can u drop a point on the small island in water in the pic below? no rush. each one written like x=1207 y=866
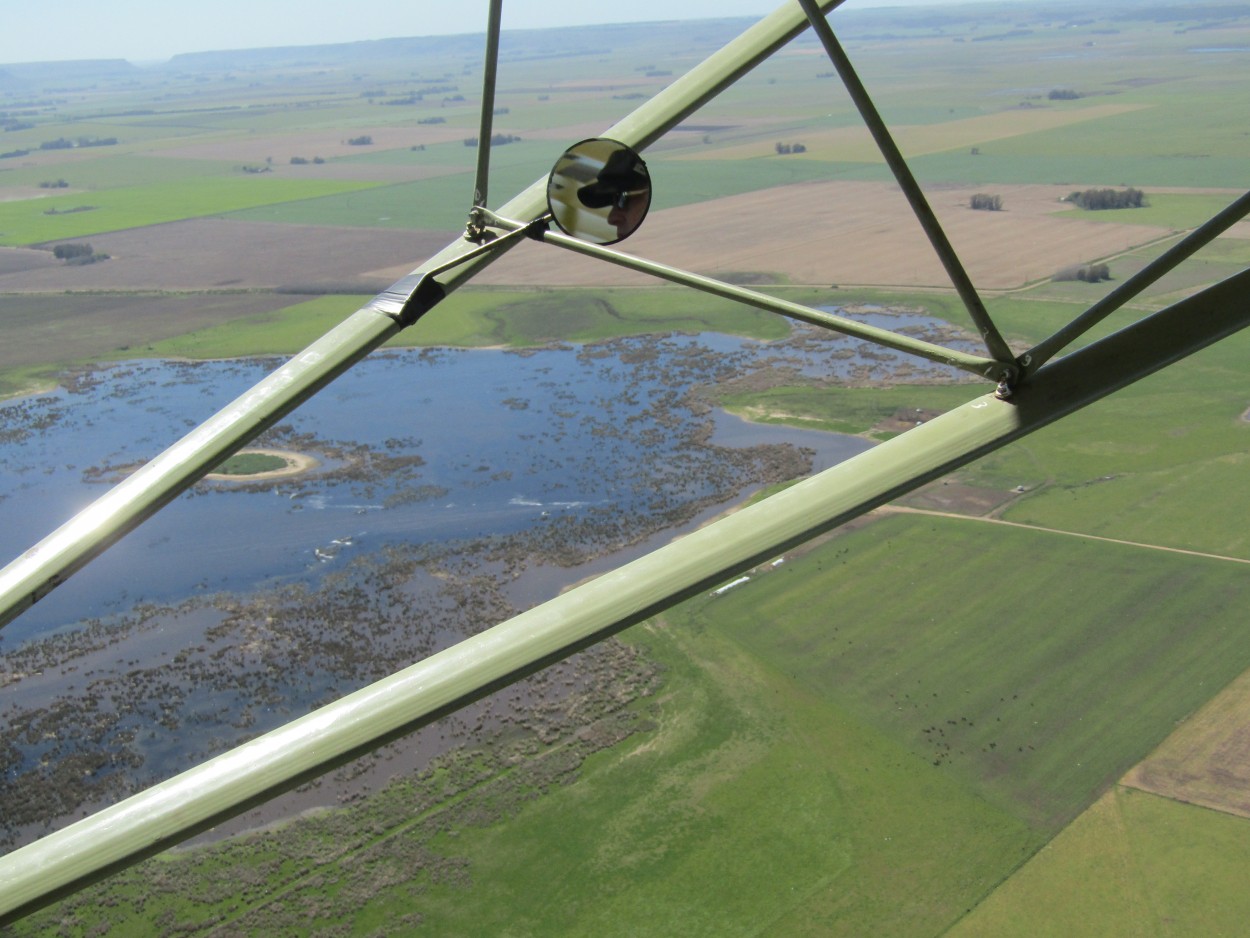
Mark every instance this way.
x=253 y=464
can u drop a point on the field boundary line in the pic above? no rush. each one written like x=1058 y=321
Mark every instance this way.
x=903 y=509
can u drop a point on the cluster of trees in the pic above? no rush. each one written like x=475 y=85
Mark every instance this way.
x=77 y=253
x=1096 y=199
x=789 y=148
x=304 y=161
x=364 y=140
x=496 y=140
x=987 y=203
x=13 y=153
x=58 y=184
x=1063 y=94
x=64 y=143
x=431 y=120
x=16 y=125
x=1090 y=273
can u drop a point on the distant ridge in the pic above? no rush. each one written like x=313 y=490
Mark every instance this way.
x=513 y=44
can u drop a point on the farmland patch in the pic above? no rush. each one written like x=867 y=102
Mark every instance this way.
x=1040 y=711
x=848 y=233
x=218 y=253
x=1133 y=864
x=855 y=144
x=327 y=143
x=67 y=328
x=1207 y=760
x=31 y=222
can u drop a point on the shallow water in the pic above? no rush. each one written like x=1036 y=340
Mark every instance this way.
x=505 y=440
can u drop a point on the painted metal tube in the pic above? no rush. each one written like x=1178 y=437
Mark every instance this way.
x=49 y=563
x=975 y=364
x=487 y=117
x=230 y=783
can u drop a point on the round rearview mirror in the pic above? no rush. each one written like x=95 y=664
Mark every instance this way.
x=599 y=191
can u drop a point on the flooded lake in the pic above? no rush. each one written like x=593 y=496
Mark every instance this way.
x=433 y=445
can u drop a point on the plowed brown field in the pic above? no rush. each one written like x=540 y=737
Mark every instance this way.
x=849 y=233
x=1207 y=760
x=218 y=253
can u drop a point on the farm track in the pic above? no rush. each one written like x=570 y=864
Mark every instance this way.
x=901 y=509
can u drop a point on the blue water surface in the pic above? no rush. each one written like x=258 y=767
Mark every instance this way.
x=505 y=440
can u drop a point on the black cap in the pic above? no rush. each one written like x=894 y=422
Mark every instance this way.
x=623 y=172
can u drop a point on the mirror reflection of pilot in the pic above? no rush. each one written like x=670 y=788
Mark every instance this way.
x=623 y=184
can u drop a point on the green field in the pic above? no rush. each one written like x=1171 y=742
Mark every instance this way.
x=478 y=318
x=29 y=222
x=885 y=742
x=1134 y=865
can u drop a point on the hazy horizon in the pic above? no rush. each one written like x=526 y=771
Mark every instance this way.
x=148 y=32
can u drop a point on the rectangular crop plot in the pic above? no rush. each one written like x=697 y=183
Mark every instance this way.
x=1035 y=667
x=59 y=218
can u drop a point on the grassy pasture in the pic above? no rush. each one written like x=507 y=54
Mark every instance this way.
x=121 y=171
x=45 y=334
x=26 y=222
x=1166 y=480
x=747 y=772
x=846 y=410
x=1132 y=865
x=246 y=464
x=854 y=144
x=776 y=745
x=686 y=181
x=1080 y=166
x=476 y=318
x=1107 y=470
x=1039 y=710
x=439 y=203
x=753 y=805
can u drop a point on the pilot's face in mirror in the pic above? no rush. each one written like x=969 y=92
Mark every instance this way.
x=599 y=191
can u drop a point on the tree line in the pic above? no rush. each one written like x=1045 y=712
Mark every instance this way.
x=496 y=140
x=64 y=143
x=1099 y=199
x=77 y=253
x=983 y=202
x=1089 y=273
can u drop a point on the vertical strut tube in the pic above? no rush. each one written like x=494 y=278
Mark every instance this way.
x=486 y=118
x=994 y=341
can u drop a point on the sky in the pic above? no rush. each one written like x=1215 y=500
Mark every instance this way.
x=144 y=31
